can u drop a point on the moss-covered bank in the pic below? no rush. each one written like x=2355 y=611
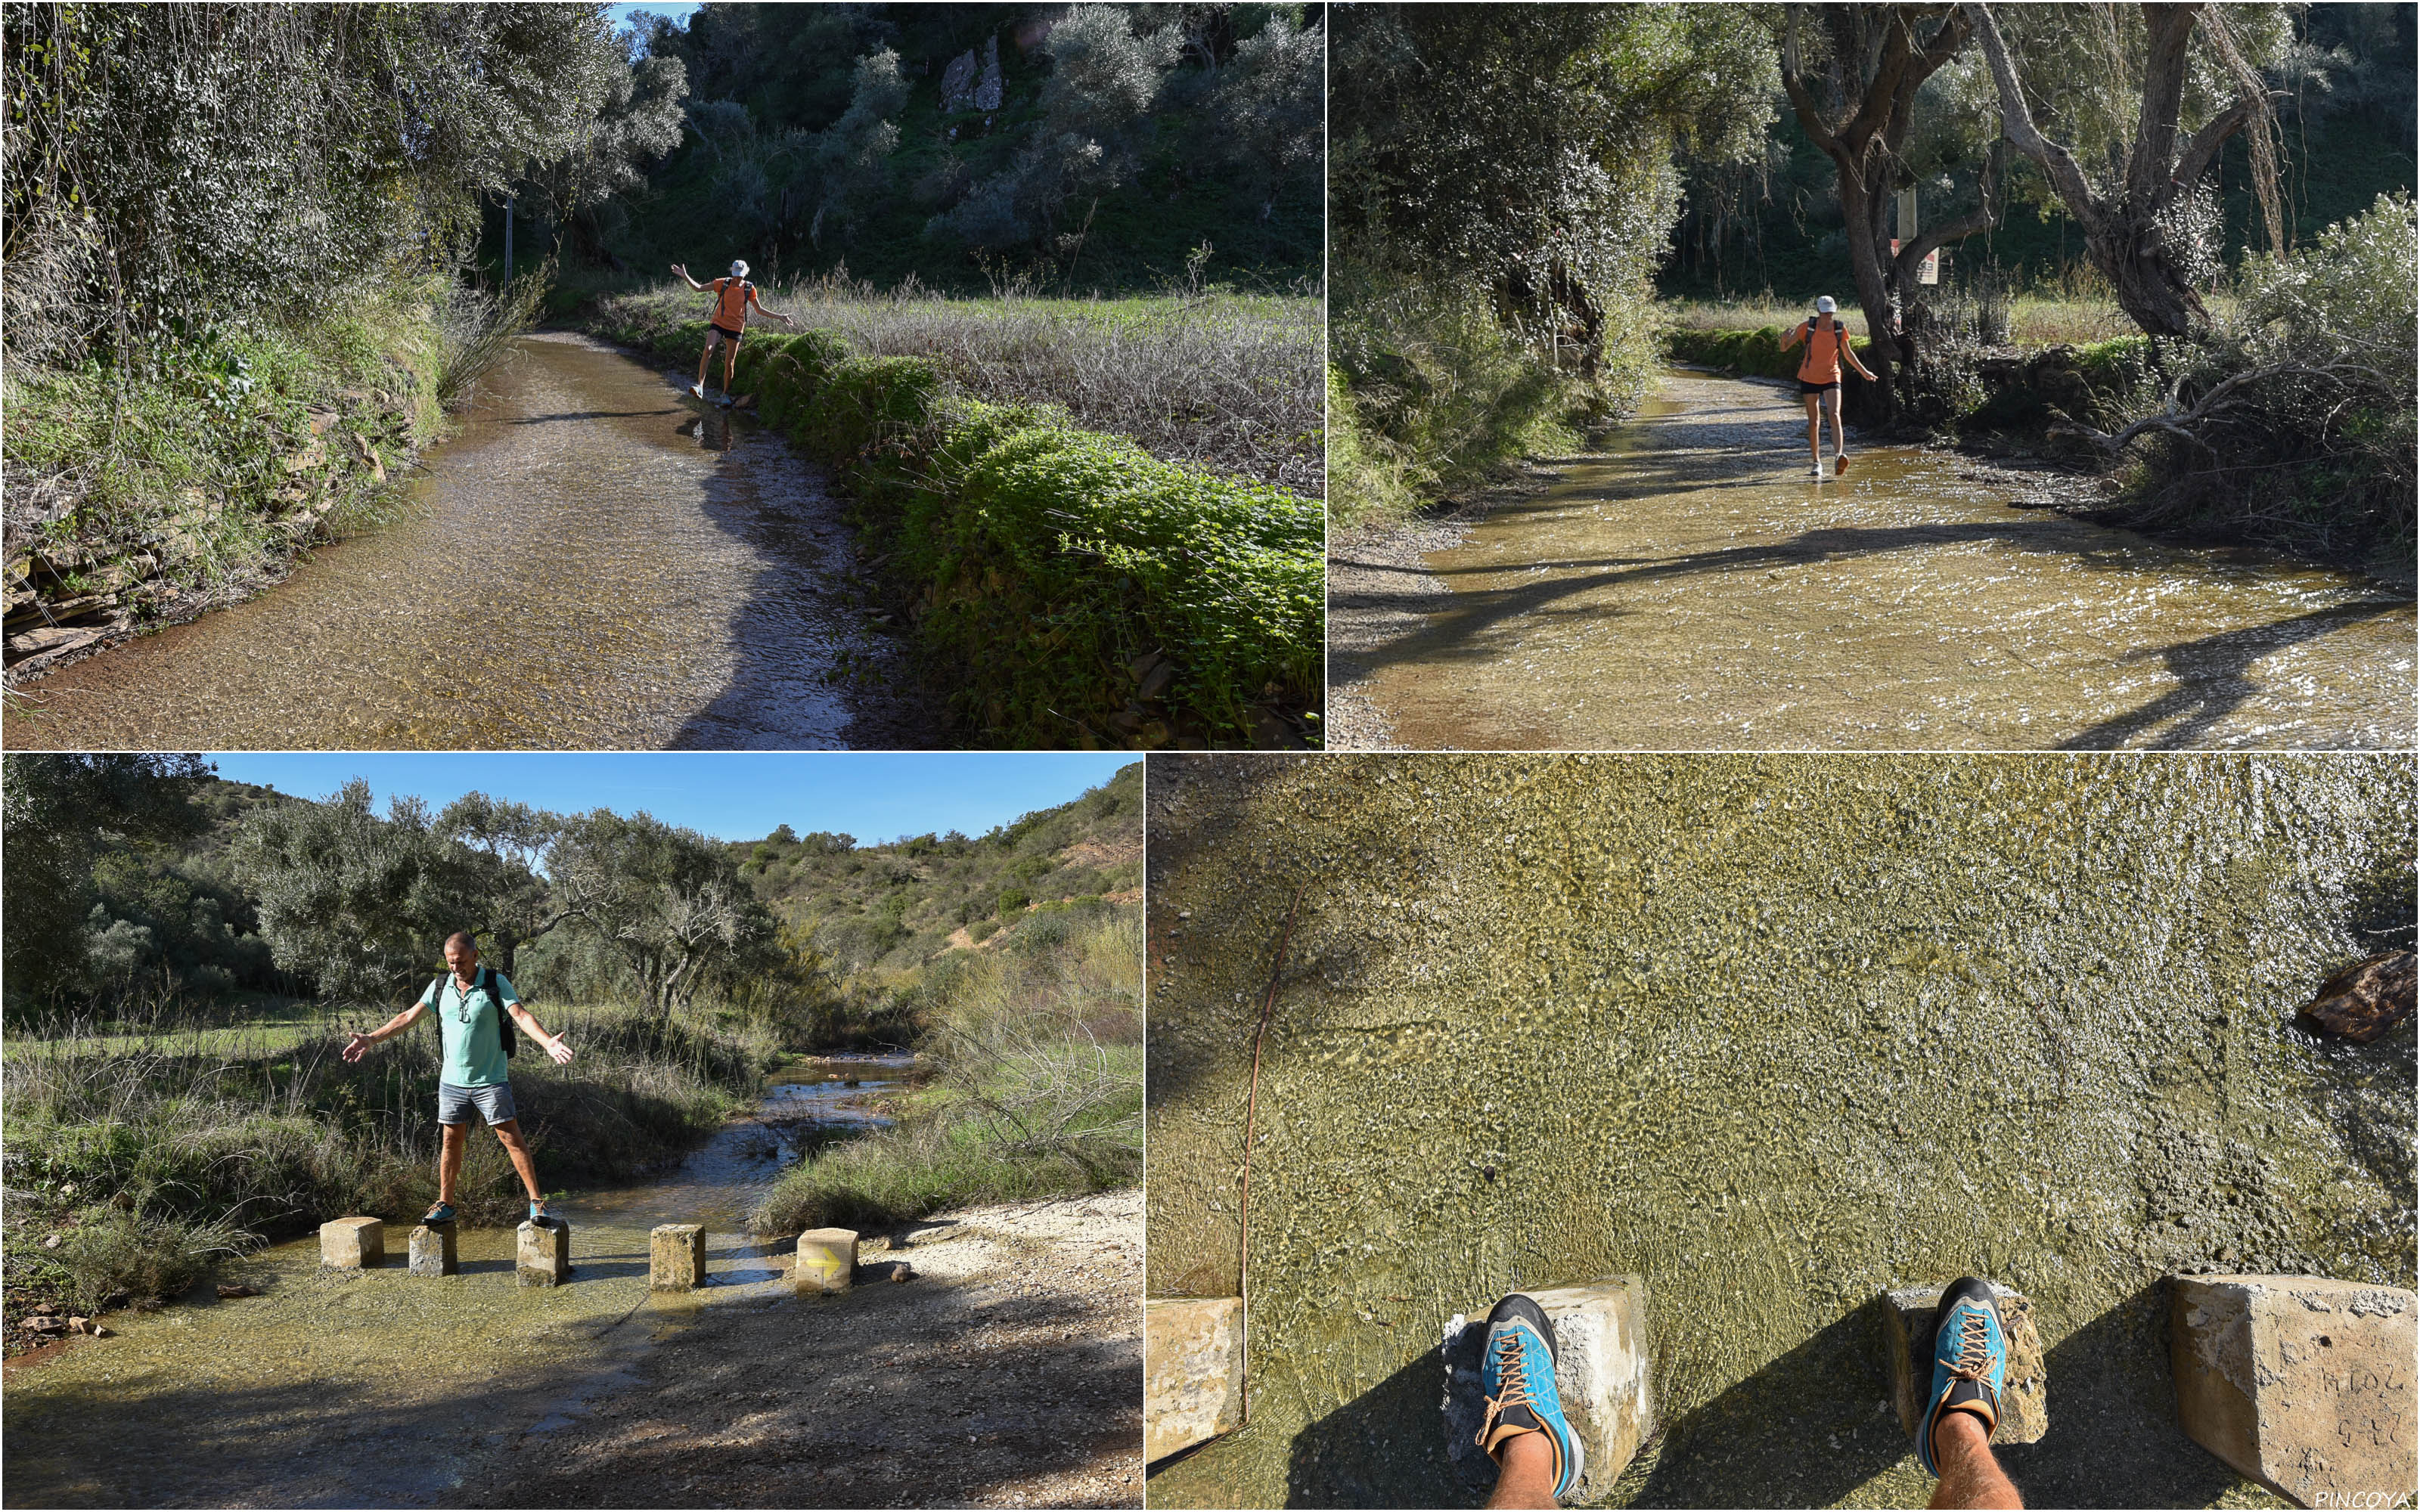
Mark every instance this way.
x=194 y=472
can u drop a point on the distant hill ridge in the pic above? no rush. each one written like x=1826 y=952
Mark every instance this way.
x=894 y=906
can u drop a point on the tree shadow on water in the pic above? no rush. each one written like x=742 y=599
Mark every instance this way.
x=2214 y=678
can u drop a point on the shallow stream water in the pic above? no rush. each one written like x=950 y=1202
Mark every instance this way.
x=1698 y=591
x=1775 y=1033
x=385 y=1389
x=596 y=562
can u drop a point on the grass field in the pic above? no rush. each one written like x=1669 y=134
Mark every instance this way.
x=2034 y=320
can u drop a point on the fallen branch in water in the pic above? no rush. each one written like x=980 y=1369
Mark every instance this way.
x=1244 y=1199
x=2227 y=395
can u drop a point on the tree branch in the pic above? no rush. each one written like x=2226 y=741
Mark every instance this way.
x=2169 y=30
x=1811 y=119
x=2017 y=122
x=2221 y=396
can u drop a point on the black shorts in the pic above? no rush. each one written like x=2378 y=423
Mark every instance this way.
x=731 y=336
x=1805 y=387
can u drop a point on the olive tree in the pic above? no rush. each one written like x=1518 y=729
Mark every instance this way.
x=359 y=903
x=667 y=903
x=2131 y=80
x=1104 y=75
x=61 y=808
x=170 y=165
x=1529 y=149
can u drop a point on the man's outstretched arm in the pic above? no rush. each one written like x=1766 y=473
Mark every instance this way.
x=556 y=1049
x=361 y=1042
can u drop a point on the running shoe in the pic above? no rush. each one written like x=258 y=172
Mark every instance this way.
x=697 y=391
x=1970 y=1361
x=1816 y=472
x=1839 y=462
x=442 y=1214
x=1516 y=1373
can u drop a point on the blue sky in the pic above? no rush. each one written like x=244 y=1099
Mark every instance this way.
x=734 y=795
x=678 y=10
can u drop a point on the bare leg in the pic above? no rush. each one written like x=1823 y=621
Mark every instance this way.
x=1815 y=429
x=705 y=361
x=1839 y=430
x=730 y=361
x=455 y=1139
x=518 y=1148
x=1970 y=1476
x=1526 y=1474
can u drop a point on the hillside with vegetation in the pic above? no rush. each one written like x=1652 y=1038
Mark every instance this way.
x=1092 y=148
x=890 y=923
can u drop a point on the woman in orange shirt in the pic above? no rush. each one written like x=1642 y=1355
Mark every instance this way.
x=1819 y=379
x=729 y=322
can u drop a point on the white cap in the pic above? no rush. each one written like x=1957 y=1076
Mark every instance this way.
x=1824 y=305
x=739 y=269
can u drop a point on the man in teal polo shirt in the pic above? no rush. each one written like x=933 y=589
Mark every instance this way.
x=470 y=1007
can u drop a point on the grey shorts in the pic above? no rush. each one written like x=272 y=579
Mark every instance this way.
x=495 y=1103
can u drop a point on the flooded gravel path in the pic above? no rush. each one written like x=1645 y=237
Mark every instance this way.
x=383 y=1389
x=1698 y=591
x=596 y=562
x=1775 y=1033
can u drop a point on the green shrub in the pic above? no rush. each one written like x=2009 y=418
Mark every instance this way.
x=1058 y=557
x=1441 y=396
x=1048 y=561
x=861 y=401
x=136 y=1256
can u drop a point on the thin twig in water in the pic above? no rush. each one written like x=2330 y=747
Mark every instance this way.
x=1244 y=1199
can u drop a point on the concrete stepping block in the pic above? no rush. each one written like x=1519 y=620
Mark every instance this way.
x=1601 y=1372
x=1907 y=1332
x=432 y=1251
x=542 y=1256
x=1192 y=1371
x=352 y=1243
x=826 y=1259
x=2302 y=1383
x=677 y=1258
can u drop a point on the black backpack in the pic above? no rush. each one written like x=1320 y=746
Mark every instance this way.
x=483 y=981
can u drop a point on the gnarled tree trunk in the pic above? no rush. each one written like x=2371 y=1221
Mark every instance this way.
x=2125 y=231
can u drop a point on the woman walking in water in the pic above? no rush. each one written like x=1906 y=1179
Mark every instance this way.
x=1819 y=379
x=728 y=323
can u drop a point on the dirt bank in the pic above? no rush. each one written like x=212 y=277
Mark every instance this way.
x=1008 y=1373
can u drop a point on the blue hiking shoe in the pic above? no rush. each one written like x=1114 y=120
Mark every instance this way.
x=442 y=1214
x=1516 y=1372
x=1970 y=1362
